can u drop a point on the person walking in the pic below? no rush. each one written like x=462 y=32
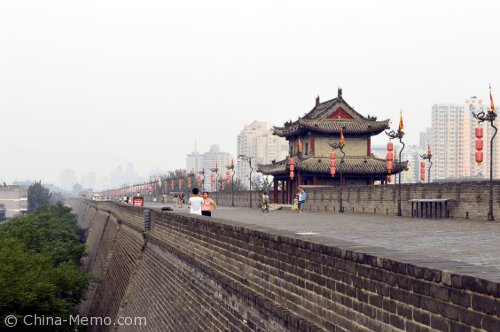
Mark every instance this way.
x=302 y=200
x=195 y=202
x=296 y=204
x=206 y=209
x=154 y=200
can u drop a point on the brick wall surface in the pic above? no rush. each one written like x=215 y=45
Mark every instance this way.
x=194 y=274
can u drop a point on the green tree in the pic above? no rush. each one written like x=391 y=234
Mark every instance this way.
x=38 y=195
x=39 y=267
x=263 y=185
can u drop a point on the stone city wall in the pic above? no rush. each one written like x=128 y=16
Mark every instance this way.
x=192 y=273
x=470 y=200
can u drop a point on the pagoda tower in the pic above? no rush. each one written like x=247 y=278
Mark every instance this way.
x=315 y=130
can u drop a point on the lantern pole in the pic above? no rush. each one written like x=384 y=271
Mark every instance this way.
x=216 y=171
x=249 y=159
x=202 y=172
x=428 y=156
x=231 y=167
x=490 y=117
x=399 y=135
x=340 y=146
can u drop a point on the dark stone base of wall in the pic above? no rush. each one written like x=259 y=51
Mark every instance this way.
x=193 y=274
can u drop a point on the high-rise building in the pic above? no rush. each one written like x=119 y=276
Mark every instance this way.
x=453 y=141
x=117 y=179
x=130 y=174
x=194 y=161
x=261 y=145
x=68 y=179
x=155 y=173
x=412 y=154
x=214 y=157
x=425 y=137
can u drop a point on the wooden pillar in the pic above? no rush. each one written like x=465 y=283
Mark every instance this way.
x=314 y=180
x=282 y=192
x=275 y=191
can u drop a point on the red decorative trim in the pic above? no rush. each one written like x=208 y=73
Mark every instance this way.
x=312 y=145
x=369 y=146
x=340 y=114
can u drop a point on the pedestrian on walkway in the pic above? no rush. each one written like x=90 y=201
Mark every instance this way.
x=296 y=204
x=206 y=209
x=154 y=199
x=302 y=200
x=195 y=202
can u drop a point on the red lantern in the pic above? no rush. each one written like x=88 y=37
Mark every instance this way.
x=199 y=181
x=332 y=155
x=479 y=157
x=292 y=175
x=291 y=161
x=332 y=171
x=390 y=156
x=180 y=184
x=189 y=182
x=422 y=164
x=389 y=146
x=422 y=170
x=479 y=132
x=332 y=162
x=479 y=144
x=172 y=184
x=422 y=177
x=389 y=166
x=292 y=168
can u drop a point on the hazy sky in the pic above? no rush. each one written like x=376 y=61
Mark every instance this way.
x=91 y=85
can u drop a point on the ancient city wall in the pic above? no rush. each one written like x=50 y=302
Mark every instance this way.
x=469 y=199
x=193 y=273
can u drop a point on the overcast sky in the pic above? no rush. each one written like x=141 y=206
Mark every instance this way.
x=91 y=85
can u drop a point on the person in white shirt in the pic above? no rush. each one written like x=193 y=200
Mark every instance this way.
x=195 y=202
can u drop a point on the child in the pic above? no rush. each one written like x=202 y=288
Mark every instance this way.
x=296 y=204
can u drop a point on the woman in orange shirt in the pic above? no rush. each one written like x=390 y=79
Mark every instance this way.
x=206 y=208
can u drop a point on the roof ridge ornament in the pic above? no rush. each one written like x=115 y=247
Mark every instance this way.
x=317 y=101
x=339 y=93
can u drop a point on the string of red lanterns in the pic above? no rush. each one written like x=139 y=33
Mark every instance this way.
x=479 y=145
x=332 y=163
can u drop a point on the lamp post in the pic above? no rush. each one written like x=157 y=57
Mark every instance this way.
x=428 y=156
x=490 y=117
x=340 y=146
x=216 y=171
x=249 y=159
x=231 y=167
x=202 y=172
x=399 y=135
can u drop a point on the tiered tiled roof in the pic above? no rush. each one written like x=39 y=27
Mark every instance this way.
x=352 y=166
x=332 y=116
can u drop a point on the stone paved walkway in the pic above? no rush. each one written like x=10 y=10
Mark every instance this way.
x=462 y=246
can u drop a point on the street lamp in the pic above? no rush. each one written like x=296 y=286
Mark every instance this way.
x=216 y=171
x=249 y=159
x=340 y=145
x=428 y=156
x=231 y=167
x=490 y=117
x=202 y=172
x=399 y=135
